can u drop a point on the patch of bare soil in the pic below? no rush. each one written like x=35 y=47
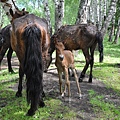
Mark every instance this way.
x=82 y=106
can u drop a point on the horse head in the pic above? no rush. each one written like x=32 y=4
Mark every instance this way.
x=18 y=13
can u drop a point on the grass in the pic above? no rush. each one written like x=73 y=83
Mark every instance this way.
x=12 y=108
x=15 y=108
x=104 y=110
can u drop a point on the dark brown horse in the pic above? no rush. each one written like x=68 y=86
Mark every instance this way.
x=30 y=40
x=5 y=45
x=83 y=36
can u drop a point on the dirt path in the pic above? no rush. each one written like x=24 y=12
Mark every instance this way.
x=82 y=106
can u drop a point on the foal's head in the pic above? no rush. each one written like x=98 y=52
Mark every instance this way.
x=59 y=49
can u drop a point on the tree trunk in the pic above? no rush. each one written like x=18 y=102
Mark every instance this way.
x=1 y=17
x=83 y=12
x=112 y=30
x=111 y=13
x=59 y=13
x=117 y=33
x=47 y=14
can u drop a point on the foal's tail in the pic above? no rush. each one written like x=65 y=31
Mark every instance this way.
x=33 y=63
x=99 y=38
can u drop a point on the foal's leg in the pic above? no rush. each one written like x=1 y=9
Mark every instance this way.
x=60 y=81
x=76 y=78
x=9 y=55
x=67 y=84
x=21 y=74
x=87 y=58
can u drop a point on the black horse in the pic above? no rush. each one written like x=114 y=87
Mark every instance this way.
x=82 y=36
x=5 y=45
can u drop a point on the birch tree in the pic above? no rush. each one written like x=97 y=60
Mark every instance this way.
x=59 y=13
x=47 y=16
x=111 y=13
x=112 y=29
x=117 y=33
x=83 y=12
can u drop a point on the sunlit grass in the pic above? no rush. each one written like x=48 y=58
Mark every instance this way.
x=102 y=109
x=12 y=108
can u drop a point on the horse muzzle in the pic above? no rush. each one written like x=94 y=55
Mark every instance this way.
x=61 y=57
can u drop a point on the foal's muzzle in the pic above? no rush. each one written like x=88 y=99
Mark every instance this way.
x=61 y=57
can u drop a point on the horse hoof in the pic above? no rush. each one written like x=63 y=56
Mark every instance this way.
x=30 y=112
x=90 y=81
x=18 y=94
x=41 y=104
x=11 y=71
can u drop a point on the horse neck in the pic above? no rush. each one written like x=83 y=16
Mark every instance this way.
x=6 y=5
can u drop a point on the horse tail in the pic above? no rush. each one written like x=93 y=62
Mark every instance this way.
x=99 y=38
x=33 y=63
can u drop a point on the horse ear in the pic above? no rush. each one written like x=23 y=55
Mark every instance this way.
x=23 y=9
x=11 y=12
x=24 y=12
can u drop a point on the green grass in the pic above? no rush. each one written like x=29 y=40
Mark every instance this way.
x=13 y=108
x=103 y=110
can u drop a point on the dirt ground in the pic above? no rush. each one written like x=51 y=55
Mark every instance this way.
x=81 y=106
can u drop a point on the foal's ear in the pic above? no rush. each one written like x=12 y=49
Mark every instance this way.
x=11 y=12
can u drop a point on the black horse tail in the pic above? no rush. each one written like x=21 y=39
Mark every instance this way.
x=99 y=38
x=33 y=68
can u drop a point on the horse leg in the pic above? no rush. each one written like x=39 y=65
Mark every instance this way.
x=76 y=78
x=9 y=55
x=2 y=54
x=91 y=64
x=21 y=74
x=87 y=58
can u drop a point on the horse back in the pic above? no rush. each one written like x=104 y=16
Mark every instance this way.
x=76 y=37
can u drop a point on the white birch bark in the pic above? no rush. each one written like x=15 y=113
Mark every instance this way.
x=117 y=33
x=83 y=12
x=92 y=11
x=47 y=15
x=59 y=13
x=112 y=29
x=111 y=13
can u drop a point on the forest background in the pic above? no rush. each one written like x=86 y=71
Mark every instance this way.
x=103 y=13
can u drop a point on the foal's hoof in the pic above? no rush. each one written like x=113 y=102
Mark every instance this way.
x=18 y=94
x=30 y=112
